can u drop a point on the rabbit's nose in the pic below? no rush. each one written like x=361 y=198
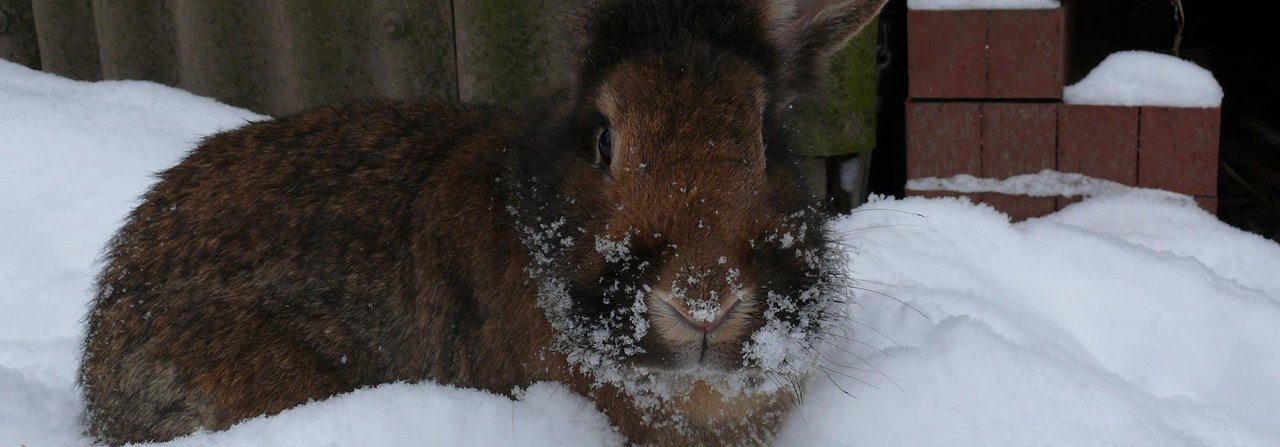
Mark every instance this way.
x=707 y=315
x=703 y=316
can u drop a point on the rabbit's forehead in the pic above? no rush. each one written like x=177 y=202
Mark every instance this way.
x=670 y=102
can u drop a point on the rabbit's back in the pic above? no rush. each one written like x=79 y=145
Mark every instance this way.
x=295 y=259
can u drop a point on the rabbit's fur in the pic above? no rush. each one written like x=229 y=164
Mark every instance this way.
x=492 y=248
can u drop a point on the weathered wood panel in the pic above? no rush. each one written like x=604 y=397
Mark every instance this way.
x=224 y=51
x=67 y=40
x=417 y=58
x=18 y=33
x=135 y=40
x=510 y=50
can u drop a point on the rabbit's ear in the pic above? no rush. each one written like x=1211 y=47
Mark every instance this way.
x=810 y=39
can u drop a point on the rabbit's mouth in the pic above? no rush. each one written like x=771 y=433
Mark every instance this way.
x=701 y=334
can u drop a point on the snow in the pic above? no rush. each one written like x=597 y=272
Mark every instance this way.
x=982 y=4
x=850 y=175
x=1121 y=320
x=1140 y=78
x=426 y=414
x=1131 y=318
x=1046 y=183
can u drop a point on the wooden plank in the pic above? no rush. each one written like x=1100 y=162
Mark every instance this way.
x=18 y=41
x=509 y=50
x=67 y=40
x=224 y=51
x=416 y=60
x=135 y=40
x=321 y=45
x=336 y=50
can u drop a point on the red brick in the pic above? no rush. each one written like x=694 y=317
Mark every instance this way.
x=1018 y=138
x=1178 y=150
x=1062 y=202
x=946 y=54
x=937 y=194
x=1020 y=207
x=1209 y=204
x=1025 y=53
x=1099 y=141
x=943 y=139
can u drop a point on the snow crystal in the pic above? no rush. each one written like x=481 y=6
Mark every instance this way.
x=787 y=240
x=1140 y=78
x=982 y=4
x=703 y=311
x=614 y=251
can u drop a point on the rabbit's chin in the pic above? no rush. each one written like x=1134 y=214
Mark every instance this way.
x=668 y=383
x=694 y=358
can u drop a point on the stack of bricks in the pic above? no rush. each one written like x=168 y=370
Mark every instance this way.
x=986 y=100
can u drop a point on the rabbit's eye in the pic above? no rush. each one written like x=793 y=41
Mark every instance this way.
x=604 y=144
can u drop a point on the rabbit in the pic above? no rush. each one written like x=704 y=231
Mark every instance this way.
x=643 y=238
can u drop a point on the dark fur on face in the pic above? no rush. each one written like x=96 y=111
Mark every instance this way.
x=700 y=179
x=491 y=248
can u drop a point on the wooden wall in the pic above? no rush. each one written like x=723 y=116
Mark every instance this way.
x=282 y=56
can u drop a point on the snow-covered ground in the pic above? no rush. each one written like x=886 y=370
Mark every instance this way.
x=1129 y=319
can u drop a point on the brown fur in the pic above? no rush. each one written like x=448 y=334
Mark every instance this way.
x=223 y=279
x=367 y=243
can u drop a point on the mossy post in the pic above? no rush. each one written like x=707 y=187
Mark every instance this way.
x=18 y=33
x=843 y=121
x=65 y=34
x=135 y=39
x=509 y=50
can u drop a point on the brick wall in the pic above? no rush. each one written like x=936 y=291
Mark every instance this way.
x=985 y=93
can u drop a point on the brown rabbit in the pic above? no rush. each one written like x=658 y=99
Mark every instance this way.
x=645 y=240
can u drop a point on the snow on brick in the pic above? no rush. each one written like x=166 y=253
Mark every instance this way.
x=981 y=4
x=1140 y=78
x=1046 y=183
